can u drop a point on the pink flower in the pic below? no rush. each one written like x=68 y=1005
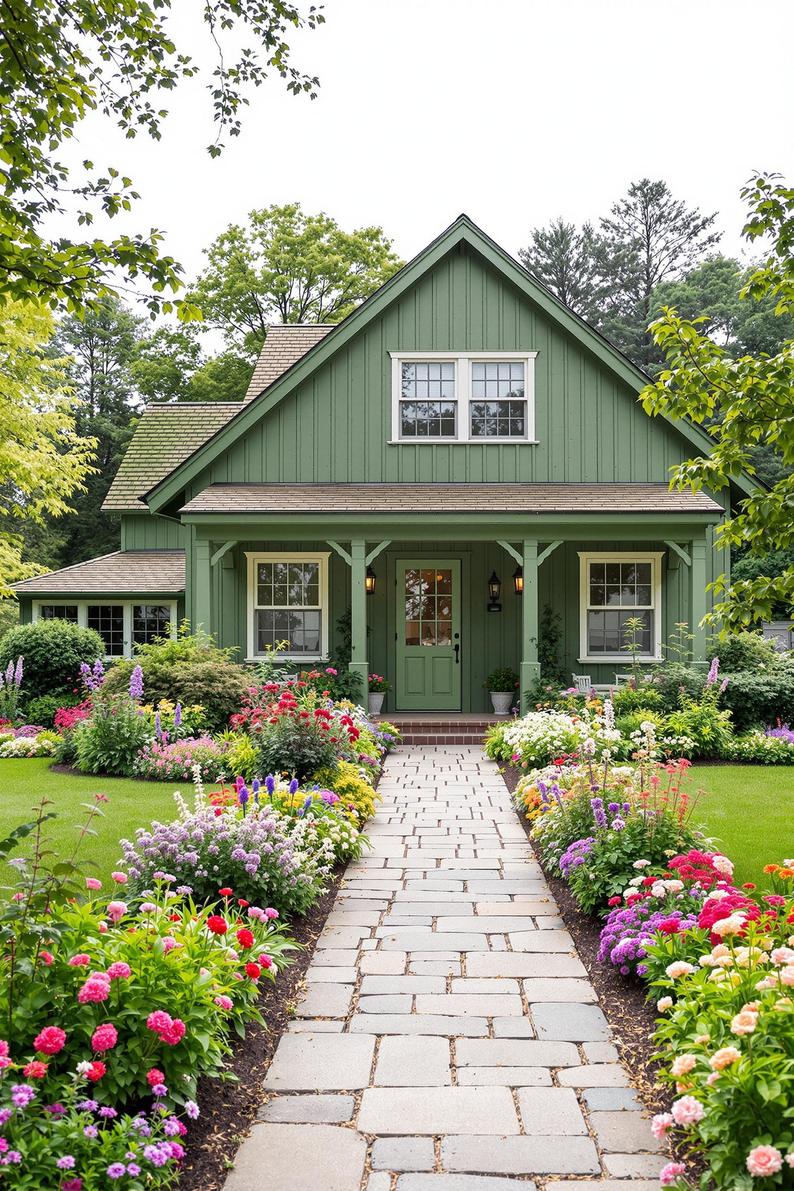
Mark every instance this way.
x=102 y=927
x=79 y=961
x=46 y=957
x=104 y=1037
x=670 y=1173
x=270 y=913
x=660 y=1124
x=119 y=971
x=95 y=989
x=265 y=960
x=119 y=878
x=724 y=1057
x=175 y=1033
x=92 y=883
x=683 y=1065
x=256 y=912
x=687 y=1111
x=678 y=968
x=159 y=1020
x=764 y=1161
x=224 y=1002
x=169 y=943
x=782 y=956
x=50 y=1040
x=744 y=1022
x=116 y=910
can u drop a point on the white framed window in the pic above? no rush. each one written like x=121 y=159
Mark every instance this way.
x=120 y=623
x=471 y=397
x=615 y=588
x=288 y=601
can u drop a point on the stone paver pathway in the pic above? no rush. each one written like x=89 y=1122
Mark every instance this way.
x=448 y=1039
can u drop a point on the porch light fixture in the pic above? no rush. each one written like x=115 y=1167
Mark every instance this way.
x=370 y=580
x=518 y=580
x=494 y=591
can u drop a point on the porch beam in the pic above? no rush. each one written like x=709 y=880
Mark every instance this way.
x=530 y=666
x=340 y=550
x=680 y=551
x=224 y=549
x=697 y=598
x=358 y=613
x=511 y=550
x=552 y=546
x=202 y=588
x=373 y=554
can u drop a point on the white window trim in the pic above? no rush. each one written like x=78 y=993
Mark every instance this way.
x=108 y=602
x=654 y=557
x=317 y=556
x=462 y=362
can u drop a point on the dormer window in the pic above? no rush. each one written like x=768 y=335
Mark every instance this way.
x=470 y=397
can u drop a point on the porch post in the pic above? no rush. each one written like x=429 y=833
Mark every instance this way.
x=530 y=667
x=697 y=598
x=202 y=594
x=358 y=613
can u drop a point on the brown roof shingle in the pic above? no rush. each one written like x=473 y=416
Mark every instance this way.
x=164 y=437
x=125 y=572
x=448 y=498
x=284 y=346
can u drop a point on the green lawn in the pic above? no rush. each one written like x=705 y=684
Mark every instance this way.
x=749 y=809
x=132 y=804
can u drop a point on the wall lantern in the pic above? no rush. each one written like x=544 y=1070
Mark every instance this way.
x=518 y=580
x=370 y=580
x=494 y=591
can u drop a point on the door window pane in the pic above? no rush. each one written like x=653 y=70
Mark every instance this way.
x=108 y=621
x=150 y=621
x=58 y=612
x=429 y=602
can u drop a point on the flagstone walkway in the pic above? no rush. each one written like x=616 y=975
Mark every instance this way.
x=448 y=1039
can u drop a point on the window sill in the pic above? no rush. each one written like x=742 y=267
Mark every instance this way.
x=462 y=442
x=610 y=658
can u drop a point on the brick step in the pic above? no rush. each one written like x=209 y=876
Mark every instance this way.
x=451 y=739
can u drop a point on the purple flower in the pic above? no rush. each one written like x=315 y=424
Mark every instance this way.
x=177 y=715
x=255 y=784
x=88 y=1105
x=575 y=855
x=18 y=672
x=158 y=1154
x=116 y=1170
x=617 y=823
x=22 y=1094
x=270 y=784
x=136 y=683
x=91 y=1131
x=714 y=670
x=293 y=786
x=599 y=815
x=191 y=1109
x=783 y=732
x=66 y=1162
x=158 y=727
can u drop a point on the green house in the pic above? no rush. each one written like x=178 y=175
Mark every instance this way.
x=429 y=476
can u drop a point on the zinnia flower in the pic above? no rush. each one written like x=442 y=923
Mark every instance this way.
x=217 y=925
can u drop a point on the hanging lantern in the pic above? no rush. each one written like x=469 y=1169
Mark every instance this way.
x=518 y=580
x=370 y=580
x=494 y=592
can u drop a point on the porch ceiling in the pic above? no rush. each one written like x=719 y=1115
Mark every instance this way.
x=534 y=499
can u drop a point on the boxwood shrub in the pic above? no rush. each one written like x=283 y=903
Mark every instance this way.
x=53 y=651
x=758 y=700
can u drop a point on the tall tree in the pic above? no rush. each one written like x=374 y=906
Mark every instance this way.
x=648 y=237
x=44 y=459
x=100 y=346
x=289 y=267
x=749 y=402
x=567 y=261
x=61 y=61
x=170 y=366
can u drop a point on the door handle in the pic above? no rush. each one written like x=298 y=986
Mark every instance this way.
x=457 y=654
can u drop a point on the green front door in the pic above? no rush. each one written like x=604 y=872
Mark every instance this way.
x=428 y=635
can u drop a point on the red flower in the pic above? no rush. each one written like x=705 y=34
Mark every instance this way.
x=670 y=926
x=253 y=970
x=217 y=925
x=154 y=1077
x=245 y=937
x=35 y=1069
x=614 y=901
x=226 y=891
x=96 y=1071
x=242 y=902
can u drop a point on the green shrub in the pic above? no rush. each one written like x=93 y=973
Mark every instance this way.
x=633 y=721
x=42 y=709
x=242 y=756
x=295 y=746
x=708 y=727
x=676 y=680
x=627 y=699
x=744 y=651
x=758 y=700
x=111 y=739
x=190 y=670
x=53 y=651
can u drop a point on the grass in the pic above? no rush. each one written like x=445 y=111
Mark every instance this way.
x=749 y=810
x=132 y=804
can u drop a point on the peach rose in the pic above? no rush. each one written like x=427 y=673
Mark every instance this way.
x=724 y=1057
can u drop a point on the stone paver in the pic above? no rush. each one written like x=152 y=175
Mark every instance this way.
x=448 y=1038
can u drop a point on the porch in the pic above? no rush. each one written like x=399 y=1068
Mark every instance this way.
x=415 y=568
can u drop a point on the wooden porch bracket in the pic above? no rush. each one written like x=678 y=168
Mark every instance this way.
x=552 y=546
x=683 y=554
x=511 y=550
x=340 y=550
x=373 y=554
x=224 y=549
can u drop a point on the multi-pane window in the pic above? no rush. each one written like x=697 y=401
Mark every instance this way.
x=427 y=400
x=288 y=606
x=149 y=622
x=498 y=407
x=58 y=612
x=621 y=606
x=108 y=621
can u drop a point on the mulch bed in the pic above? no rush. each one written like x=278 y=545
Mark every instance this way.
x=228 y=1108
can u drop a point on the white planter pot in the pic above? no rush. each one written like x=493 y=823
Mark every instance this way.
x=376 y=701
x=502 y=702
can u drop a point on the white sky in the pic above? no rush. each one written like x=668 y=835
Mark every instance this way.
x=514 y=111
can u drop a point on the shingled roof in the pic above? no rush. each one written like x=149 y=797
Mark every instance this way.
x=163 y=438
x=284 y=346
x=448 y=498
x=124 y=572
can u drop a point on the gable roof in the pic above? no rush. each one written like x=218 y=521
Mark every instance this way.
x=462 y=232
x=124 y=572
x=163 y=438
x=284 y=345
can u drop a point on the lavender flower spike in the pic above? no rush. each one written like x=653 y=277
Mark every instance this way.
x=177 y=715
x=18 y=672
x=714 y=670
x=136 y=683
x=158 y=727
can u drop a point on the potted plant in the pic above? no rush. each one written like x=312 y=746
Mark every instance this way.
x=378 y=687
x=502 y=683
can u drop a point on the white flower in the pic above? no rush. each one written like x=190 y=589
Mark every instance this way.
x=641 y=864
